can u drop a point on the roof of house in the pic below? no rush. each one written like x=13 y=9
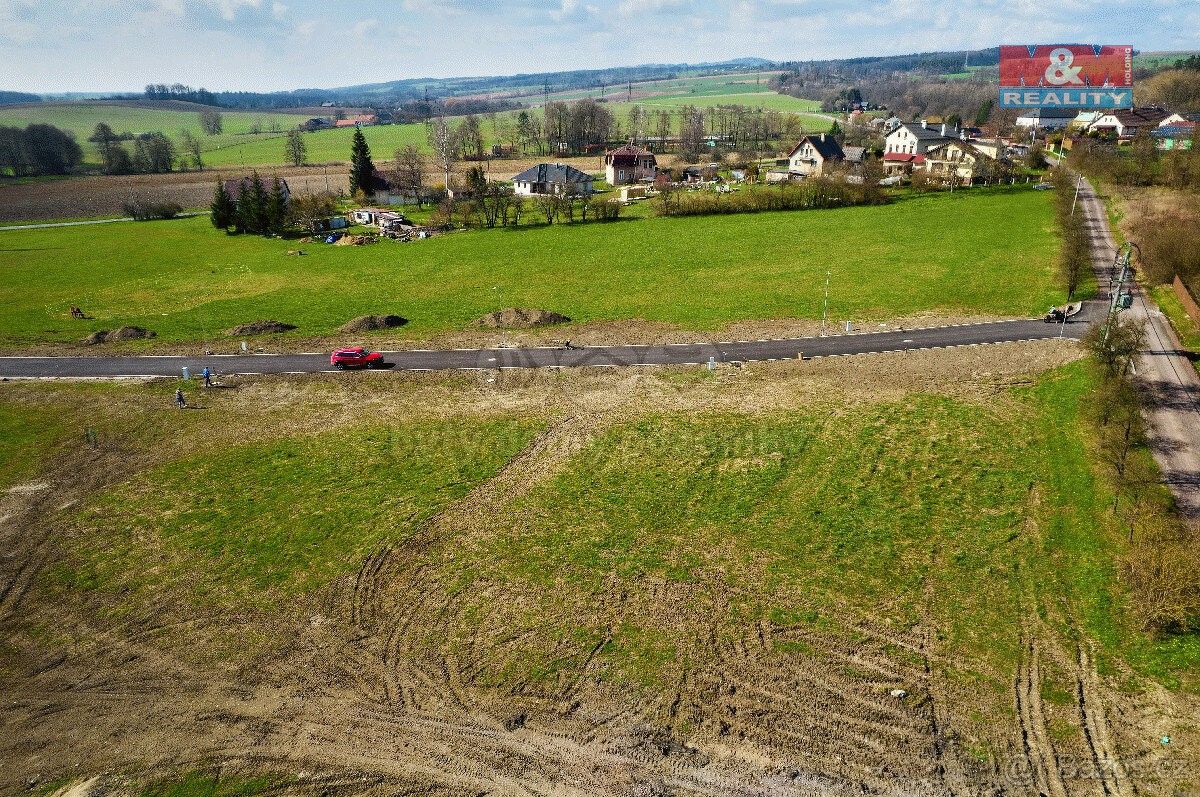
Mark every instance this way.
x=826 y=146
x=903 y=157
x=1177 y=130
x=627 y=155
x=1134 y=117
x=927 y=132
x=855 y=154
x=965 y=146
x=553 y=173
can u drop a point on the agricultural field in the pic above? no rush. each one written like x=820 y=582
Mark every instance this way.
x=325 y=146
x=890 y=572
x=921 y=255
x=81 y=119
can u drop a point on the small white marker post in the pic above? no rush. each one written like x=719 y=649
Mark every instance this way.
x=187 y=375
x=245 y=347
x=712 y=363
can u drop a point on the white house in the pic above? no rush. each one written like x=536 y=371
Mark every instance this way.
x=1127 y=123
x=552 y=178
x=958 y=159
x=915 y=138
x=810 y=156
x=1046 y=118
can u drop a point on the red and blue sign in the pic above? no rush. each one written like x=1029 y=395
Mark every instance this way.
x=1066 y=76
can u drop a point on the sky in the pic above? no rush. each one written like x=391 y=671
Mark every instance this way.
x=267 y=45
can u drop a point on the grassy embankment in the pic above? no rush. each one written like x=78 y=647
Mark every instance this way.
x=186 y=281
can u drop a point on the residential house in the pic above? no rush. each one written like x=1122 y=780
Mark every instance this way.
x=316 y=123
x=1085 y=119
x=1125 y=124
x=959 y=161
x=1180 y=135
x=855 y=155
x=552 y=178
x=914 y=138
x=1046 y=118
x=896 y=164
x=630 y=164
x=886 y=125
x=361 y=120
x=812 y=155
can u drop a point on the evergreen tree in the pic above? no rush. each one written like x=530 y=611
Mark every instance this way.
x=223 y=208
x=252 y=206
x=276 y=214
x=362 y=170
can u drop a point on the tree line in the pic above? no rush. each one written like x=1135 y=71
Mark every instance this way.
x=158 y=92
x=37 y=150
x=257 y=208
x=1160 y=564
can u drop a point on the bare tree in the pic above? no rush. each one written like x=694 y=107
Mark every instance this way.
x=409 y=165
x=189 y=146
x=444 y=144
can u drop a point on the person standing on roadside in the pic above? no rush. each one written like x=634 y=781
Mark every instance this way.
x=180 y=401
x=207 y=374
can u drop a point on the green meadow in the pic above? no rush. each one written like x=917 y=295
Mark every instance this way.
x=985 y=252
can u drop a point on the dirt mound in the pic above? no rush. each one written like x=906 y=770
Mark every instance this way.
x=355 y=240
x=520 y=318
x=121 y=333
x=260 y=327
x=369 y=323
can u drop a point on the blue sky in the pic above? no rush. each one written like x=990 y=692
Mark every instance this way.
x=110 y=45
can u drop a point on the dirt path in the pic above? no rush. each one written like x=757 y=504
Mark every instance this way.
x=1171 y=384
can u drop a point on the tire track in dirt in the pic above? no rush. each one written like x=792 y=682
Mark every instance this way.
x=1040 y=759
x=1107 y=767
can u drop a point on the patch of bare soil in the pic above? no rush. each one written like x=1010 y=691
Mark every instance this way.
x=520 y=318
x=105 y=195
x=118 y=335
x=259 y=328
x=384 y=682
x=373 y=323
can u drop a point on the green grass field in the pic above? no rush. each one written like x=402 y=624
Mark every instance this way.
x=969 y=512
x=979 y=252
x=82 y=118
x=338 y=494
x=323 y=146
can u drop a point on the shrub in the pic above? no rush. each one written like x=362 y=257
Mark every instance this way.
x=808 y=195
x=148 y=211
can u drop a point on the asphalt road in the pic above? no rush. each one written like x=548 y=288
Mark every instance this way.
x=589 y=356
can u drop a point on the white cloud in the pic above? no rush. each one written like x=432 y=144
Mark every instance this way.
x=278 y=10
x=363 y=27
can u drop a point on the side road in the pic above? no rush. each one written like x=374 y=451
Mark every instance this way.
x=575 y=357
x=1171 y=383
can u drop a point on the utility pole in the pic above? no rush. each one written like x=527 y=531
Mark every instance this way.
x=825 y=308
x=1078 y=180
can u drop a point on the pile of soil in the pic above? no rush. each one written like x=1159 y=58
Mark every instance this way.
x=260 y=328
x=369 y=323
x=122 y=333
x=355 y=240
x=520 y=318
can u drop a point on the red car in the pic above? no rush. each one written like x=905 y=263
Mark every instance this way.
x=355 y=357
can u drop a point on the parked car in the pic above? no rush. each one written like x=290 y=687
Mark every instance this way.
x=1043 y=187
x=355 y=357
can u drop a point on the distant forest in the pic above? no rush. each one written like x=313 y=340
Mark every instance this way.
x=15 y=97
